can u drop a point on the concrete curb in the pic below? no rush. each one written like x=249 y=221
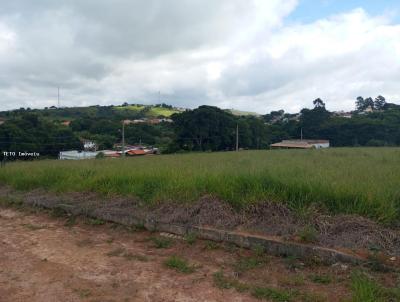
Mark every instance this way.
x=271 y=245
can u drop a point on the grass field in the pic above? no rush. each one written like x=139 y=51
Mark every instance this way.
x=242 y=113
x=361 y=181
x=130 y=107
x=153 y=111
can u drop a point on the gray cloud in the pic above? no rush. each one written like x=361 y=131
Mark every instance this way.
x=229 y=53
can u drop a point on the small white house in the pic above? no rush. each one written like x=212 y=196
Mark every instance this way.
x=89 y=145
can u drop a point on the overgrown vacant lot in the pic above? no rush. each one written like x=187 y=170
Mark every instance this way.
x=361 y=181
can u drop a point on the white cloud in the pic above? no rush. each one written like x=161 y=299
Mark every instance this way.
x=230 y=53
x=7 y=40
x=337 y=59
x=338 y=35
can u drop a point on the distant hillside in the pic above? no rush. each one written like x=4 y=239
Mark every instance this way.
x=242 y=113
x=125 y=111
x=50 y=130
x=128 y=111
x=150 y=111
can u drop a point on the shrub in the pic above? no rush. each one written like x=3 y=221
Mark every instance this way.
x=179 y=264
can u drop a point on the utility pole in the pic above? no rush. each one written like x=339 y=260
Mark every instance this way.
x=123 y=138
x=237 y=137
x=58 y=97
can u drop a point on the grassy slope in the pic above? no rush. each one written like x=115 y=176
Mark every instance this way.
x=242 y=113
x=153 y=112
x=157 y=111
x=130 y=107
x=359 y=180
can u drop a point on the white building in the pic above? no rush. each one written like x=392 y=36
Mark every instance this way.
x=302 y=144
x=89 y=145
x=76 y=155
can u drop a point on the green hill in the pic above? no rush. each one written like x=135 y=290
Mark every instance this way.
x=125 y=111
x=149 y=110
x=242 y=113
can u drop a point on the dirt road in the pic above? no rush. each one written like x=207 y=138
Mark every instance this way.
x=44 y=260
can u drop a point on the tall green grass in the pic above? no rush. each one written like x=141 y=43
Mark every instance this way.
x=363 y=181
x=366 y=289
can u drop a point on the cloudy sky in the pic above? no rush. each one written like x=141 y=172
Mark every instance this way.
x=253 y=55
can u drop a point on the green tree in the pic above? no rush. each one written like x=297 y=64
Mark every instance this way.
x=28 y=132
x=360 y=104
x=311 y=120
x=379 y=102
x=318 y=103
x=369 y=102
x=205 y=128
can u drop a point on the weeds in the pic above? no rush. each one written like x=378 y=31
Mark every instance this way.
x=211 y=245
x=58 y=212
x=248 y=263
x=313 y=261
x=366 y=289
x=338 y=179
x=71 y=221
x=375 y=264
x=293 y=263
x=265 y=293
x=139 y=227
x=179 y=264
x=11 y=202
x=321 y=279
x=259 y=250
x=230 y=247
x=293 y=280
x=308 y=234
x=272 y=294
x=310 y=297
x=94 y=221
x=223 y=282
x=161 y=242
x=120 y=252
x=191 y=238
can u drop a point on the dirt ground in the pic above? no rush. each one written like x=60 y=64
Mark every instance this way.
x=45 y=258
x=349 y=232
x=42 y=260
x=346 y=232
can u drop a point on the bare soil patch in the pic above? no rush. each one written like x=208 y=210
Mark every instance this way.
x=84 y=262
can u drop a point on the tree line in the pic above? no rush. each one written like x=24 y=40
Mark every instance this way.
x=375 y=122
